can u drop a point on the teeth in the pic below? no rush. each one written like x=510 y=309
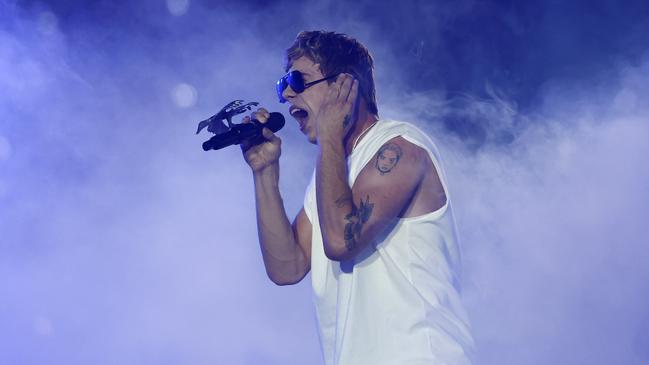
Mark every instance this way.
x=295 y=110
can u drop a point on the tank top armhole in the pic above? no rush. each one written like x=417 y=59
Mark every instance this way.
x=308 y=199
x=436 y=163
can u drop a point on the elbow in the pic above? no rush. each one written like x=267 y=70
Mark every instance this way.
x=336 y=251
x=286 y=279
x=343 y=250
x=282 y=281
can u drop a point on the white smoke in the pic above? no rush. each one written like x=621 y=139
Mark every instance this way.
x=121 y=241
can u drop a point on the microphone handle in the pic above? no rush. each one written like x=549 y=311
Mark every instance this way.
x=234 y=136
x=244 y=131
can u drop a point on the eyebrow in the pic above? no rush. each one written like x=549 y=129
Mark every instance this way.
x=305 y=73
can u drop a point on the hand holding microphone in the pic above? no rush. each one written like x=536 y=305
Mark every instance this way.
x=247 y=132
x=266 y=148
x=260 y=146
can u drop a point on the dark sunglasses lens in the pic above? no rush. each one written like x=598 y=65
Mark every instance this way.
x=281 y=86
x=296 y=81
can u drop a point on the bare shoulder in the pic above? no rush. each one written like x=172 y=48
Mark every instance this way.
x=403 y=173
x=396 y=161
x=391 y=177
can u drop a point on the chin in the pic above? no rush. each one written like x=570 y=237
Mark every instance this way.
x=310 y=135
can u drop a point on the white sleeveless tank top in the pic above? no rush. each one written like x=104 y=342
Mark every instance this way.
x=398 y=301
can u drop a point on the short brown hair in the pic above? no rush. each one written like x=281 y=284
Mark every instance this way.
x=336 y=53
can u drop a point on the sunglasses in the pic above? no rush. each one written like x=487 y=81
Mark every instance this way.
x=295 y=80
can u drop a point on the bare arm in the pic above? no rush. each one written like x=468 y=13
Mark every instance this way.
x=285 y=260
x=350 y=219
x=285 y=247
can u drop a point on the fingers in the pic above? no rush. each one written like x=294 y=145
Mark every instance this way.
x=348 y=92
x=347 y=87
x=353 y=92
x=340 y=85
x=259 y=143
x=261 y=115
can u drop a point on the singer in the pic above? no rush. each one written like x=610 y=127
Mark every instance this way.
x=376 y=230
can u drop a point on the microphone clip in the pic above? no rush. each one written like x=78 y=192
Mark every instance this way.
x=215 y=124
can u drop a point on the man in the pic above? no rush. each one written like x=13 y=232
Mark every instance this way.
x=376 y=230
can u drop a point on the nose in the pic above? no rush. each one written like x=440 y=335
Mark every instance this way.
x=288 y=93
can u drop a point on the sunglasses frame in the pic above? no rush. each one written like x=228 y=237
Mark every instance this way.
x=295 y=79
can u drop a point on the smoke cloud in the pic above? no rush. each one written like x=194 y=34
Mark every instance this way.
x=121 y=241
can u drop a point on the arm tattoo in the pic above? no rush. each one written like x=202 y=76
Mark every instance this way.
x=387 y=158
x=347 y=120
x=355 y=220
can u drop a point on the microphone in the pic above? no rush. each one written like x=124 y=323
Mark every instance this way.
x=244 y=131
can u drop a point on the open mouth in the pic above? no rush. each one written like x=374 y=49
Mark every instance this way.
x=300 y=115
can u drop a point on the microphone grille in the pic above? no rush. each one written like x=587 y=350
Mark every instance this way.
x=275 y=122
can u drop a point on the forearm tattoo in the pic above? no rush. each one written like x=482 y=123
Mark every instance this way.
x=355 y=221
x=387 y=158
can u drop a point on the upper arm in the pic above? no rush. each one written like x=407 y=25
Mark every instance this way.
x=384 y=188
x=302 y=232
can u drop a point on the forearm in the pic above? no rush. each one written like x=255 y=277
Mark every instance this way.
x=335 y=200
x=285 y=262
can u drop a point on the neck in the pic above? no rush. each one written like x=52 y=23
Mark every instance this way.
x=364 y=120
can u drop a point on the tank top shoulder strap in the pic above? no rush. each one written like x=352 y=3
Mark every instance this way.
x=382 y=132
